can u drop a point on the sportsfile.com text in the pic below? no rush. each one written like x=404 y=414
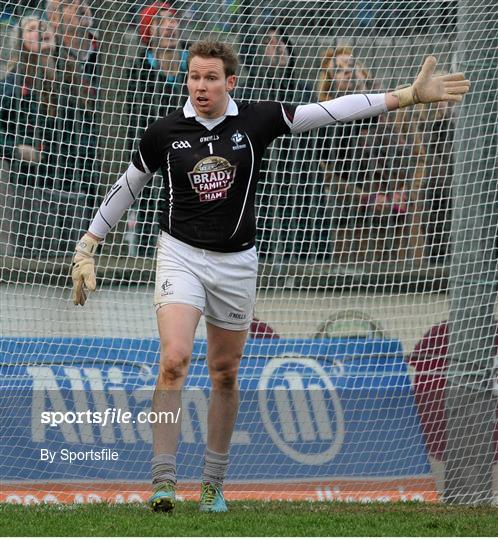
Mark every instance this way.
x=109 y=416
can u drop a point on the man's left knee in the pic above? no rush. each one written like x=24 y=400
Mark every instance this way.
x=224 y=375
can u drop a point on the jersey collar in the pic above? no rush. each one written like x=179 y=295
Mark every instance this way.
x=189 y=111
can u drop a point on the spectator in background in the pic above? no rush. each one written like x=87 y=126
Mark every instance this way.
x=345 y=159
x=156 y=87
x=270 y=68
x=373 y=168
x=429 y=360
x=76 y=160
x=374 y=172
x=270 y=74
x=438 y=127
x=77 y=38
x=28 y=122
x=49 y=105
x=78 y=165
x=393 y=202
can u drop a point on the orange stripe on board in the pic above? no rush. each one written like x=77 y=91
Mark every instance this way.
x=422 y=489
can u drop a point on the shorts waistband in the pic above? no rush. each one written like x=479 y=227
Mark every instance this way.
x=169 y=238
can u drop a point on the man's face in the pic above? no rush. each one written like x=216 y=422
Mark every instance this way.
x=276 y=51
x=165 y=30
x=208 y=86
x=38 y=37
x=342 y=67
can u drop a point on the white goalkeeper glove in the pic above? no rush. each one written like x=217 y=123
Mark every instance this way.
x=83 y=269
x=428 y=88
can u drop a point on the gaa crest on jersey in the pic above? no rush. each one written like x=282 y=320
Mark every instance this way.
x=212 y=177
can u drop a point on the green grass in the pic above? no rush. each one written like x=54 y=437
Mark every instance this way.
x=251 y=519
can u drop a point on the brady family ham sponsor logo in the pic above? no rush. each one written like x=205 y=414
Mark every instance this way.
x=212 y=178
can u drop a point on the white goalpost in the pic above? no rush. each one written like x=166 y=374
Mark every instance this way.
x=370 y=371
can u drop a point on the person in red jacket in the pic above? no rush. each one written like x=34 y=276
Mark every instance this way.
x=262 y=330
x=429 y=359
x=155 y=89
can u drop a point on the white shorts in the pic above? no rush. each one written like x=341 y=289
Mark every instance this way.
x=222 y=286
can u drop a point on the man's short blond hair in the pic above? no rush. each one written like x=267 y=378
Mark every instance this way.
x=216 y=49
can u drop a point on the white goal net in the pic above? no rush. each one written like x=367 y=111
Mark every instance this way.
x=369 y=370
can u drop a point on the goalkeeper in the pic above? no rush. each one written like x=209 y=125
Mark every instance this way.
x=209 y=153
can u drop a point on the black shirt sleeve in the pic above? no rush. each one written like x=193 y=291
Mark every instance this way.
x=147 y=158
x=278 y=118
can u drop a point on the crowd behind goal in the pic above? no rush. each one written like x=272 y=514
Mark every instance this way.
x=381 y=192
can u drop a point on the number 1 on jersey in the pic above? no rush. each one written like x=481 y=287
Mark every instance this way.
x=210 y=145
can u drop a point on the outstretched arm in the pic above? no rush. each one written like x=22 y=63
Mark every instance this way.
x=427 y=88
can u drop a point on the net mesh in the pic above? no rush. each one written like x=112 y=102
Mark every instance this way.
x=343 y=378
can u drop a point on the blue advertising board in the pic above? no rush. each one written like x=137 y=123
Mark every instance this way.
x=309 y=409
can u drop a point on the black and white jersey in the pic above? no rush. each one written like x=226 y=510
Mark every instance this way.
x=210 y=175
x=211 y=166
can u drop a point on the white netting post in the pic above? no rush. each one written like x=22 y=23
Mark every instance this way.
x=471 y=402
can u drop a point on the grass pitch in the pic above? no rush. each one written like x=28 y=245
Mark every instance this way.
x=250 y=518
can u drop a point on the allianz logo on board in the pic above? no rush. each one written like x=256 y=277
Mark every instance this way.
x=298 y=407
x=295 y=400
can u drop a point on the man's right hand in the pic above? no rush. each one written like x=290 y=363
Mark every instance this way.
x=83 y=269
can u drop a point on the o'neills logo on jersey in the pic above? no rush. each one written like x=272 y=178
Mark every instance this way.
x=212 y=177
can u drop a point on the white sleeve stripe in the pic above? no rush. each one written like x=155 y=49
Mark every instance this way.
x=248 y=186
x=286 y=119
x=102 y=216
x=170 y=182
x=146 y=169
x=328 y=112
x=128 y=184
x=119 y=198
x=342 y=109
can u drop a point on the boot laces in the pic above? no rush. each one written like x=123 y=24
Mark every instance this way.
x=209 y=492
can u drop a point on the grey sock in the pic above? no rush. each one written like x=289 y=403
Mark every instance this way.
x=164 y=468
x=215 y=467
